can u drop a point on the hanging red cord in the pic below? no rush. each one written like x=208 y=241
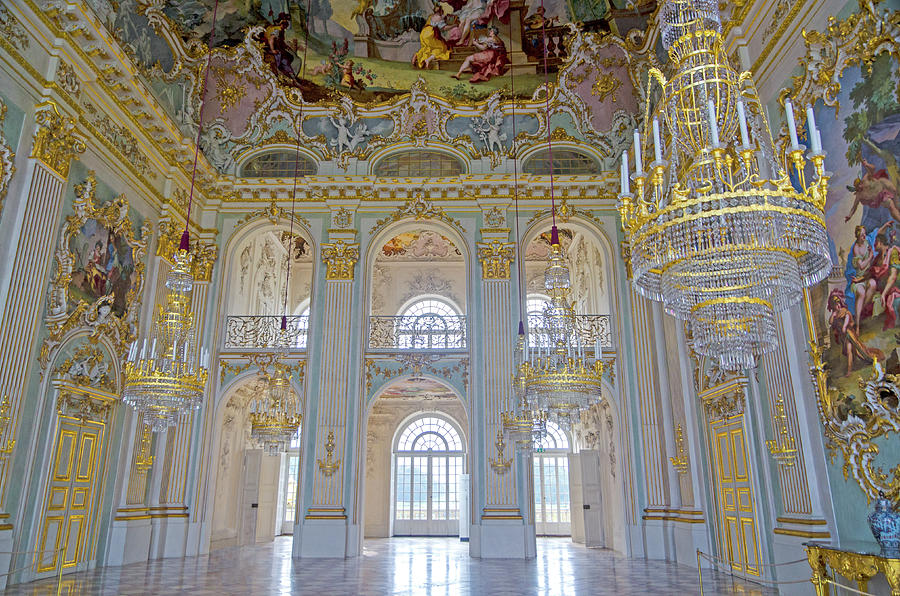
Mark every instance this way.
x=185 y=237
x=554 y=234
x=287 y=281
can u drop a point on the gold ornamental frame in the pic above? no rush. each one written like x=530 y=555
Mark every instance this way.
x=95 y=318
x=855 y=41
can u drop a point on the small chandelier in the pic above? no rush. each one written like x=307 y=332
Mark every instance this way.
x=717 y=229
x=525 y=424
x=166 y=374
x=556 y=375
x=275 y=413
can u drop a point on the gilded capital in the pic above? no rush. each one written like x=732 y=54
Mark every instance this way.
x=204 y=255
x=495 y=258
x=340 y=259
x=56 y=141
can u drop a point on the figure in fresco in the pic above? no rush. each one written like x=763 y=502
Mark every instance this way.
x=875 y=189
x=96 y=271
x=537 y=22
x=347 y=79
x=469 y=14
x=860 y=283
x=489 y=61
x=277 y=53
x=433 y=47
x=885 y=269
x=844 y=331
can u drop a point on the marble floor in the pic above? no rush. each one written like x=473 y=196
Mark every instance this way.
x=428 y=566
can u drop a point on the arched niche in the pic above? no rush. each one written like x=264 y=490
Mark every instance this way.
x=414 y=162
x=414 y=260
x=256 y=269
x=591 y=273
x=277 y=163
x=243 y=473
x=567 y=161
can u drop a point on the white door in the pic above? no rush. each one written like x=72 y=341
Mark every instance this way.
x=552 y=505
x=428 y=462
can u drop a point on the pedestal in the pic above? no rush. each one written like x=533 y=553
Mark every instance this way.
x=129 y=541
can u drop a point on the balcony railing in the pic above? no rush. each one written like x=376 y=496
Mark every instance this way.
x=590 y=327
x=260 y=332
x=423 y=332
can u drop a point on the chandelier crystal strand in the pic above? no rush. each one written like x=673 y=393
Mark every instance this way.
x=719 y=231
x=166 y=374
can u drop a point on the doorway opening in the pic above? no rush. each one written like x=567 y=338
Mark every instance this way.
x=428 y=462
x=552 y=504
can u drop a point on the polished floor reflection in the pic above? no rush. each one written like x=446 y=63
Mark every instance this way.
x=429 y=566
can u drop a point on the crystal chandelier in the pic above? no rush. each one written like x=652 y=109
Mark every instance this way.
x=167 y=380
x=275 y=413
x=166 y=374
x=718 y=230
x=525 y=424
x=556 y=374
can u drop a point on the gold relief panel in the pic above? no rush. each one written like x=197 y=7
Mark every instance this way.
x=7 y=169
x=495 y=258
x=99 y=273
x=204 y=255
x=724 y=402
x=84 y=404
x=56 y=141
x=340 y=259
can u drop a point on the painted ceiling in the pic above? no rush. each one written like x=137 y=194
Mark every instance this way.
x=361 y=75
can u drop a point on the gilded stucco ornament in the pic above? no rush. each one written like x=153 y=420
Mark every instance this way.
x=204 y=254
x=417 y=208
x=340 y=259
x=852 y=425
x=85 y=405
x=56 y=141
x=7 y=169
x=87 y=367
x=98 y=279
x=495 y=258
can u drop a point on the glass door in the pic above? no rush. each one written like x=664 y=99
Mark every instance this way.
x=552 y=506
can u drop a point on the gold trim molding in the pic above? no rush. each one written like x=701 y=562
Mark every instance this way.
x=56 y=140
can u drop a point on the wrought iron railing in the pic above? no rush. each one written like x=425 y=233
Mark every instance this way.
x=590 y=327
x=423 y=332
x=260 y=332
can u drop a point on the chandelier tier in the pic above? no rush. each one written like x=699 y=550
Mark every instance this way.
x=166 y=374
x=718 y=230
x=556 y=375
x=275 y=413
x=525 y=424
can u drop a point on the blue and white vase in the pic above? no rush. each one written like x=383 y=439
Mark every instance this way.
x=885 y=525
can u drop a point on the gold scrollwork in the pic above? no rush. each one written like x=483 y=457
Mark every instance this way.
x=340 y=259
x=204 y=255
x=680 y=461
x=56 y=141
x=495 y=258
x=86 y=406
x=329 y=465
x=783 y=447
x=87 y=366
x=7 y=447
x=98 y=317
x=418 y=208
x=855 y=566
x=143 y=460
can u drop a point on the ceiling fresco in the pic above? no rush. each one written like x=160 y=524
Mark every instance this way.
x=378 y=72
x=418 y=388
x=420 y=246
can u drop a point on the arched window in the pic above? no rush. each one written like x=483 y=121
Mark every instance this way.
x=430 y=323
x=418 y=164
x=552 y=505
x=278 y=164
x=538 y=335
x=427 y=463
x=565 y=162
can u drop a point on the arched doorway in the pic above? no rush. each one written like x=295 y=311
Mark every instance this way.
x=552 y=505
x=429 y=459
